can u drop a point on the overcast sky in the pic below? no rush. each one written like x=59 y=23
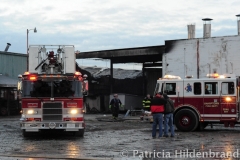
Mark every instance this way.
x=93 y=25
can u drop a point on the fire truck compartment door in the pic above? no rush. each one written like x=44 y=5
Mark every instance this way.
x=193 y=95
x=70 y=58
x=212 y=110
x=228 y=100
x=33 y=59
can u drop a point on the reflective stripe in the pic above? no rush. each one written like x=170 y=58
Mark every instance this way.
x=218 y=115
x=146 y=103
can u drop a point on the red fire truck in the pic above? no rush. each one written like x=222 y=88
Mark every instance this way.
x=199 y=102
x=52 y=91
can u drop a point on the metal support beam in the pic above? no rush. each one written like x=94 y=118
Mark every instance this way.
x=144 y=82
x=159 y=64
x=111 y=76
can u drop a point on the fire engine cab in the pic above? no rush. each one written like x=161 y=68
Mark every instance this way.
x=52 y=91
x=199 y=102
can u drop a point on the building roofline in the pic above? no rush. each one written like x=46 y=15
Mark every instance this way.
x=14 y=54
x=200 y=38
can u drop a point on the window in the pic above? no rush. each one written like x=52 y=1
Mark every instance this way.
x=170 y=88
x=211 y=88
x=197 y=88
x=62 y=88
x=227 y=88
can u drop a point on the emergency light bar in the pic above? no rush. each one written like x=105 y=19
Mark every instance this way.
x=213 y=75
x=171 y=77
x=33 y=78
x=26 y=73
x=216 y=75
x=78 y=74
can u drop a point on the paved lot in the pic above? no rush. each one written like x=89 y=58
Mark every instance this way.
x=126 y=140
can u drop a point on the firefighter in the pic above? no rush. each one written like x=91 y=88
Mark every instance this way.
x=146 y=103
x=115 y=103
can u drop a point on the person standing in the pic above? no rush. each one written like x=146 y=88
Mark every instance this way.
x=168 y=116
x=157 y=109
x=146 y=103
x=115 y=103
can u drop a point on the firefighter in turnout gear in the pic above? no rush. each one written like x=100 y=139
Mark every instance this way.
x=115 y=103
x=146 y=103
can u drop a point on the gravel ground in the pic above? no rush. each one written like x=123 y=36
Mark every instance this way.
x=127 y=139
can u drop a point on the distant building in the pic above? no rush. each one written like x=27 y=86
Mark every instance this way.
x=12 y=64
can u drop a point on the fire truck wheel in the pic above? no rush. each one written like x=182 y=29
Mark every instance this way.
x=3 y=111
x=26 y=134
x=186 y=120
x=79 y=133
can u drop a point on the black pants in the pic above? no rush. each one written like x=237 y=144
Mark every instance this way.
x=115 y=111
x=146 y=108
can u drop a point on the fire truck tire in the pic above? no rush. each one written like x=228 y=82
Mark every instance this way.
x=186 y=120
x=79 y=133
x=26 y=134
x=3 y=111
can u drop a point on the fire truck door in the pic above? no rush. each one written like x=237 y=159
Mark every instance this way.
x=172 y=88
x=212 y=110
x=228 y=100
x=193 y=94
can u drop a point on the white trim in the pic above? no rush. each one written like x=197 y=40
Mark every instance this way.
x=210 y=120
x=218 y=115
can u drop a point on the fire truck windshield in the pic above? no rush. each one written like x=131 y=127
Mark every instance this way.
x=64 y=88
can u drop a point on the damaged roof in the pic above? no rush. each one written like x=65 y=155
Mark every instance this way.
x=118 y=73
x=128 y=55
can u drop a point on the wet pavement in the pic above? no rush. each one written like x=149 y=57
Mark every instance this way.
x=126 y=139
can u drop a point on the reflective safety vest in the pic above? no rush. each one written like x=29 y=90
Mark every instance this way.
x=146 y=102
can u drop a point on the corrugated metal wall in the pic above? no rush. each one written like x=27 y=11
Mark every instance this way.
x=152 y=76
x=12 y=64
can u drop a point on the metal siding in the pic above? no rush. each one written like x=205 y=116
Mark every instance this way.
x=188 y=57
x=12 y=65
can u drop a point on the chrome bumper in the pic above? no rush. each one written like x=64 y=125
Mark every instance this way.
x=35 y=126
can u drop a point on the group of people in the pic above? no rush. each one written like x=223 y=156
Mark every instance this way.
x=160 y=106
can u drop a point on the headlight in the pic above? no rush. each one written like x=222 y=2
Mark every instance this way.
x=73 y=111
x=31 y=111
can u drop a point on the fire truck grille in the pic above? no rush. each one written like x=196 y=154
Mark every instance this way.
x=52 y=111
